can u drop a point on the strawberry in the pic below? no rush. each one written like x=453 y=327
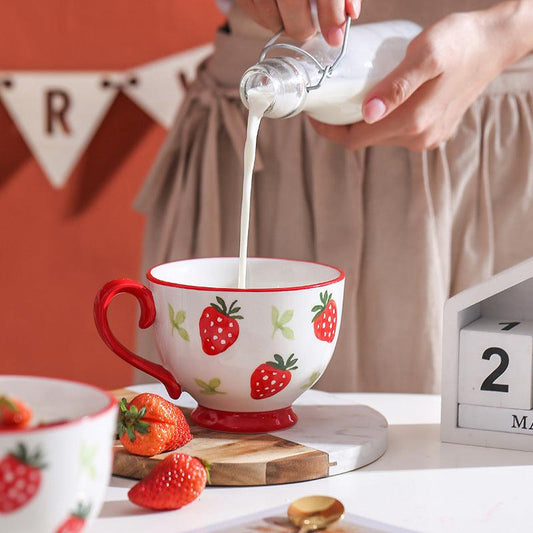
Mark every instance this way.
x=218 y=325
x=13 y=413
x=174 y=482
x=149 y=425
x=325 y=319
x=271 y=377
x=20 y=478
x=75 y=522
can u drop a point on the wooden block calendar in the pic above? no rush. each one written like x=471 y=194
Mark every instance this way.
x=487 y=374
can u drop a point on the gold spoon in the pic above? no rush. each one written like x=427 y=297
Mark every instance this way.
x=314 y=512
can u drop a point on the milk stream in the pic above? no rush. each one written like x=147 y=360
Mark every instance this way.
x=258 y=103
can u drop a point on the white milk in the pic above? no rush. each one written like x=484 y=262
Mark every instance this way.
x=258 y=102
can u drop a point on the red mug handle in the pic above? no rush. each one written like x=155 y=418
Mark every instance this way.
x=146 y=301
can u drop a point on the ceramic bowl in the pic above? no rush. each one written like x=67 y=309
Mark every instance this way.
x=53 y=474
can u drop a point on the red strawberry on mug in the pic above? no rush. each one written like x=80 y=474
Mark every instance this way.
x=75 y=522
x=325 y=319
x=20 y=478
x=271 y=377
x=218 y=326
x=174 y=482
x=13 y=413
x=149 y=425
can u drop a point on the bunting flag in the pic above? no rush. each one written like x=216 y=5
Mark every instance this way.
x=159 y=87
x=58 y=113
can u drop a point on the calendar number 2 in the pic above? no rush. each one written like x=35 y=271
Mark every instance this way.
x=489 y=382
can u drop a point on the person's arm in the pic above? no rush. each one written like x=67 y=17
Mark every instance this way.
x=445 y=69
x=296 y=19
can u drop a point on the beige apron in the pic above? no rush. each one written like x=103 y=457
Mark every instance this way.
x=409 y=229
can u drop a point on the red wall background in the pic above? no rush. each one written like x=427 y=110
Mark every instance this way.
x=58 y=247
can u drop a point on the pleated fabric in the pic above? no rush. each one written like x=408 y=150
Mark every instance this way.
x=409 y=229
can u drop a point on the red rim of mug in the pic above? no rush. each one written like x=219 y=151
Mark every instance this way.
x=153 y=279
x=63 y=423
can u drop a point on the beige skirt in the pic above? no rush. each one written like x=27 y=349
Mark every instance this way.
x=409 y=229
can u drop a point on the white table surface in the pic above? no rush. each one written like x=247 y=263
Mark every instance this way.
x=419 y=483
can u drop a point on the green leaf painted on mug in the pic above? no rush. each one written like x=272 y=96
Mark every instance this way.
x=287 y=332
x=180 y=317
x=176 y=321
x=183 y=333
x=209 y=388
x=279 y=322
x=313 y=378
x=286 y=316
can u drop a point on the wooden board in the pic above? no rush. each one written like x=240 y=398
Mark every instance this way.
x=327 y=440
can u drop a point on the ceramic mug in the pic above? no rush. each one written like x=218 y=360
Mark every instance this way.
x=54 y=474
x=244 y=355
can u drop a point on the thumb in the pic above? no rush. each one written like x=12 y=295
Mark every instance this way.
x=398 y=86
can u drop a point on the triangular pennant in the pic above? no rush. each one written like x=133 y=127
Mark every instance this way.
x=57 y=114
x=158 y=87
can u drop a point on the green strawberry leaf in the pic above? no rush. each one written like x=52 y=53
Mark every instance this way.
x=287 y=332
x=286 y=316
x=183 y=333
x=278 y=322
x=209 y=388
x=222 y=303
x=180 y=317
x=317 y=315
x=275 y=316
x=171 y=313
x=312 y=380
x=218 y=308
x=201 y=383
x=317 y=308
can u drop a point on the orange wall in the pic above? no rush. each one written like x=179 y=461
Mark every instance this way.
x=59 y=246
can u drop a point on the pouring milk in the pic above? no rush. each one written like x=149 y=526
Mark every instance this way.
x=282 y=86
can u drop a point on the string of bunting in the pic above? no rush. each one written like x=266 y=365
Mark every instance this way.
x=59 y=112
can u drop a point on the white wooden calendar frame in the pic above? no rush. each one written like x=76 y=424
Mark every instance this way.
x=508 y=294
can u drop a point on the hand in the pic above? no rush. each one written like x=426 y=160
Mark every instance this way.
x=446 y=67
x=295 y=16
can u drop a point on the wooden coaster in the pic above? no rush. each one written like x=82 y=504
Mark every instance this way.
x=327 y=440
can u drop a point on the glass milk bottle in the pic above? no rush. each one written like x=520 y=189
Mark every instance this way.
x=328 y=83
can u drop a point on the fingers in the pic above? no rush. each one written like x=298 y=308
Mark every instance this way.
x=331 y=17
x=414 y=126
x=296 y=17
x=419 y=66
x=268 y=14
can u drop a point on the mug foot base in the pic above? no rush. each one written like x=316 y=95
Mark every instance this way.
x=258 y=422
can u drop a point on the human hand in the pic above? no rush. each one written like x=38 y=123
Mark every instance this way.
x=421 y=102
x=295 y=16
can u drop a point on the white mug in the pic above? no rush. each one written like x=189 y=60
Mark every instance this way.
x=246 y=354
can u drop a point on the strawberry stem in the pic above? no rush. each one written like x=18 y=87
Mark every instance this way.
x=6 y=402
x=130 y=421
x=221 y=307
x=23 y=455
x=280 y=363
x=318 y=309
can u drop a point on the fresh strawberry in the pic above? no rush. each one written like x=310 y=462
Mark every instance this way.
x=218 y=325
x=13 y=413
x=75 y=522
x=20 y=478
x=325 y=319
x=149 y=425
x=271 y=377
x=174 y=482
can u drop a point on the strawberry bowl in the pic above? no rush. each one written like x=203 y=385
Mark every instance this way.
x=54 y=471
x=244 y=354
